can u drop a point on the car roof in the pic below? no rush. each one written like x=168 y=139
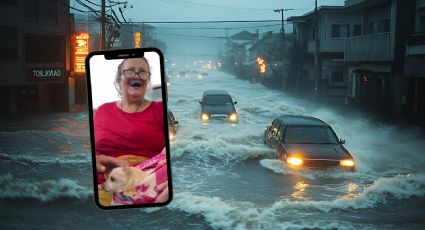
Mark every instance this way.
x=215 y=92
x=301 y=120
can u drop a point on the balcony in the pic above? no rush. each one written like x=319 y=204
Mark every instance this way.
x=372 y=47
x=416 y=44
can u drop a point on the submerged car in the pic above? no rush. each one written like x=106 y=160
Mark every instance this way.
x=172 y=126
x=307 y=141
x=218 y=104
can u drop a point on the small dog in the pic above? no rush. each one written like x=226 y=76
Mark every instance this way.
x=127 y=179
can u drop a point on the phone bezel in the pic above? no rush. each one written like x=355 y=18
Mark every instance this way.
x=123 y=54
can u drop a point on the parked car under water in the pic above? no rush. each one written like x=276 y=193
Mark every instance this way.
x=303 y=141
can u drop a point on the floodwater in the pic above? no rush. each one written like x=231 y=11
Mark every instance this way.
x=224 y=176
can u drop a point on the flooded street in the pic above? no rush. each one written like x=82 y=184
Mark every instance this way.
x=224 y=176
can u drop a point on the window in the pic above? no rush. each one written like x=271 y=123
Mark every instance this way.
x=337 y=76
x=371 y=28
x=53 y=48
x=310 y=135
x=313 y=33
x=383 y=26
x=421 y=26
x=41 y=11
x=340 y=31
x=275 y=127
x=215 y=100
x=357 y=30
x=9 y=43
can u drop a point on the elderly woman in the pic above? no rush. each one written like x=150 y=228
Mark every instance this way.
x=131 y=130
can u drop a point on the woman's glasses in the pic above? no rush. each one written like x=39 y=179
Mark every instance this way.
x=129 y=73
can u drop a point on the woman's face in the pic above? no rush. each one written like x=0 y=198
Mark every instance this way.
x=134 y=89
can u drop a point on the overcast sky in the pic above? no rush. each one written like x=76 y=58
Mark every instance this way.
x=185 y=41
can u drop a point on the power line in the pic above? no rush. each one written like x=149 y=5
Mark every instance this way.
x=200 y=22
x=214 y=28
x=216 y=7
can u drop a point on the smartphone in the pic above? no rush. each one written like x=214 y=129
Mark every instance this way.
x=128 y=128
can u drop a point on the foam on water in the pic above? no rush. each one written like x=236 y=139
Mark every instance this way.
x=286 y=214
x=58 y=159
x=46 y=190
x=278 y=166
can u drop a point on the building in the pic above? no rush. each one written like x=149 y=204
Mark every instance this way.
x=35 y=56
x=327 y=30
x=414 y=67
x=237 y=46
x=370 y=52
x=269 y=49
x=375 y=57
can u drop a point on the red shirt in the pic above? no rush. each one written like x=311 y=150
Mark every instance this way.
x=119 y=133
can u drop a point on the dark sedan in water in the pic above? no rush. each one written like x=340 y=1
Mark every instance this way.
x=307 y=141
x=218 y=104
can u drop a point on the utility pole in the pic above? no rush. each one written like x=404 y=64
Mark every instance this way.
x=103 y=22
x=283 y=44
x=316 y=55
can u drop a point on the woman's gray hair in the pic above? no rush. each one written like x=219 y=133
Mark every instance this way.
x=118 y=75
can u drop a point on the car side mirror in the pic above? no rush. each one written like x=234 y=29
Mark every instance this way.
x=342 y=141
x=235 y=102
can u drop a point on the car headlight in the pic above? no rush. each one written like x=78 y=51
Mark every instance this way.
x=295 y=161
x=347 y=163
x=205 y=117
x=233 y=117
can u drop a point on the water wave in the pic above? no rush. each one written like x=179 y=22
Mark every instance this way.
x=222 y=214
x=46 y=190
x=286 y=214
x=63 y=158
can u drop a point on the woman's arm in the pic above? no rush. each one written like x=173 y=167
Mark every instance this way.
x=107 y=163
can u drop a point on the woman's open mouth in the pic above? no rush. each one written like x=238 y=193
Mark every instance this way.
x=135 y=83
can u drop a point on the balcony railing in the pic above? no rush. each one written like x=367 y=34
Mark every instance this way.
x=372 y=47
x=349 y=3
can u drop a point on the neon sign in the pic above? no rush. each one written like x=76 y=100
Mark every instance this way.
x=137 y=39
x=81 y=50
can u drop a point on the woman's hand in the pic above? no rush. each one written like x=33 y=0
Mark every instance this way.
x=163 y=196
x=107 y=163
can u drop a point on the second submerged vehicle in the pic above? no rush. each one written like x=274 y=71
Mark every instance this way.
x=218 y=104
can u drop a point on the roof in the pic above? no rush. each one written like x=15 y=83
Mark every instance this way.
x=244 y=35
x=216 y=92
x=301 y=120
x=321 y=9
x=266 y=41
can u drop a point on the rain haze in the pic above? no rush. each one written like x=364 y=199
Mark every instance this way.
x=188 y=41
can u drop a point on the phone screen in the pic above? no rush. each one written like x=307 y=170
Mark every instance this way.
x=128 y=127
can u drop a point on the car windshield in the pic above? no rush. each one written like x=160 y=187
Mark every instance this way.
x=310 y=135
x=215 y=100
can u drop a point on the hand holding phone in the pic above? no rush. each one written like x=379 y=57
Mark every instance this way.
x=128 y=126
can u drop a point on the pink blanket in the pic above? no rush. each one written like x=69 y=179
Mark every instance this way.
x=152 y=186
